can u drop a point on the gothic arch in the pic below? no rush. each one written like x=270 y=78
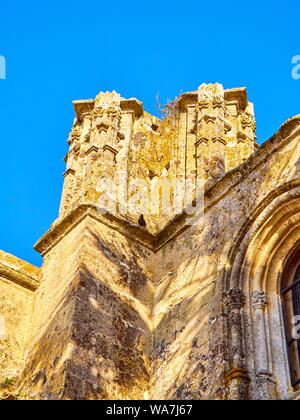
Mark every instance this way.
x=257 y=347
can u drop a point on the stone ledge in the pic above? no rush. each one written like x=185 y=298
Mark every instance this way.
x=82 y=107
x=237 y=94
x=132 y=104
x=19 y=271
x=62 y=227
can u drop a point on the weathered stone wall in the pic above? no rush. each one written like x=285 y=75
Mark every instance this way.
x=191 y=341
x=164 y=310
x=91 y=329
x=51 y=326
x=186 y=338
x=18 y=280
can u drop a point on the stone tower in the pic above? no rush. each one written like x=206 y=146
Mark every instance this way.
x=203 y=135
x=142 y=299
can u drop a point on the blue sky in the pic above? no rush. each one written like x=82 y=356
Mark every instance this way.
x=57 y=52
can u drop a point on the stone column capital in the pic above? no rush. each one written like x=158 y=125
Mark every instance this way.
x=234 y=299
x=258 y=300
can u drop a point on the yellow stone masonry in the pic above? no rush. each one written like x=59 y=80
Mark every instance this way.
x=138 y=302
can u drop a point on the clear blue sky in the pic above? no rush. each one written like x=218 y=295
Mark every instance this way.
x=57 y=52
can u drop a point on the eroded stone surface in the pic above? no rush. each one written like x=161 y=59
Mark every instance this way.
x=131 y=307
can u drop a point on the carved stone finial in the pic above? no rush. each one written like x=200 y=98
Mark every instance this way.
x=107 y=99
x=234 y=299
x=258 y=299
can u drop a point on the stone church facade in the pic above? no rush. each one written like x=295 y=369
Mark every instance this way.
x=134 y=301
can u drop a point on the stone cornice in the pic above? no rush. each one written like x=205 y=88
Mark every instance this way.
x=62 y=227
x=82 y=107
x=133 y=105
x=20 y=272
x=187 y=98
x=237 y=94
x=154 y=242
x=18 y=278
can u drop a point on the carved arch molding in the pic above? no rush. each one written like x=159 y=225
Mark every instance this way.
x=257 y=362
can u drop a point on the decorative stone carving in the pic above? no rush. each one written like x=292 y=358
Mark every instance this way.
x=201 y=140
x=247 y=120
x=258 y=300
x=87 y=136
x=75 y=133
x=219 y=140
x=92 y=149
x=234 y=299
x=202 y=104
x=218 y=102
x=68 y=172
x=237 y=381
x=76 y=147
